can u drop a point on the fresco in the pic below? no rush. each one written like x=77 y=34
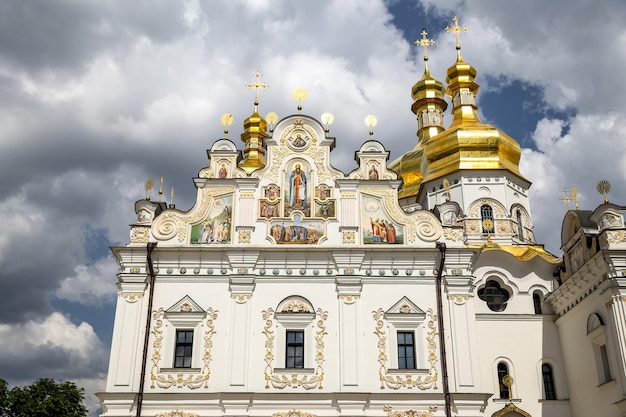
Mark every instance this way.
x=296 y=231
x=297 y=184
x=376 y=225
x=216 y=227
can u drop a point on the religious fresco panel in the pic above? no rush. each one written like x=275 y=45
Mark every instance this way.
x=376 y=225
x=325 y=209
x=216 y=226
x=268 y=210
x=296 y=231
x=297 y=181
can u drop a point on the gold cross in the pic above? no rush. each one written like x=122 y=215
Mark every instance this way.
x=566 y=198
x=257 y=85
x=425 y=42
x=457 y=30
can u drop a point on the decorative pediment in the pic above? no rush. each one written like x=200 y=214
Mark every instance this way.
x=185 y=305
x=295 y=304
x=405 y=307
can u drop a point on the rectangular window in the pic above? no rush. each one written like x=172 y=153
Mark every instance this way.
x=604 y=362
x=184 y=348
x=295 y=349
x=406 y=350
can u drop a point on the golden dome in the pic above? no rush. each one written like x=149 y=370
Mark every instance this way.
x=468 y=143
x=428 y=106
x=255 y=128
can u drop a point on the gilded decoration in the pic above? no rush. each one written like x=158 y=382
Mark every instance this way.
x=192 y=381
x=348 y=194
x=293 y=413
x=245 y=236
x=139 y=234
x=241 y=298
x=511 y=409
x=294 y=380
x=410 y=413
x=454 y=235
x=349 y=298
x=131 y=297
x=349 y=238
x=172 y=223
x=410 y=380
x=459 y=299
x=617 y=236
x=296 y=306
x=177 y=413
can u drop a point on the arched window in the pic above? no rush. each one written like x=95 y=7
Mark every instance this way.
x=503 y=371
x=537 y=302
x=548 y=382
x=486 y=216
x=520 y=225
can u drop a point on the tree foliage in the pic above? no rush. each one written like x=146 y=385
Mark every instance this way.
x=44 y=398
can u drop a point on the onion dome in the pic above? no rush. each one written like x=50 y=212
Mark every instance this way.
x=255 y=130
x=428 y=106
x=468 y=143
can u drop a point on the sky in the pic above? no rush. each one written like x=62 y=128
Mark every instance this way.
x=98 y=96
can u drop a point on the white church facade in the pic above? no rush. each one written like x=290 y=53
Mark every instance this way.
x=411 y=288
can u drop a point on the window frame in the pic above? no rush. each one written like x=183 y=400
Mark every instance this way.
x=291 y=360
x=183 y=344
x=549 y=384
x=596 y=331
x=303 y=322
x=402 y=347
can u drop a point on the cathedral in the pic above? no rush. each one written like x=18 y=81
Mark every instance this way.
x=405 y=288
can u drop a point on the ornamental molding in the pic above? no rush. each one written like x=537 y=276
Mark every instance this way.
x=192 y=380
x=410 y=413
x=459 y=299
x=294 y=413
x=617 y=236
x=349 y=237
x=177 y=413
x=294 y=380
x=296 y=306
x=395 y=381
x=131 y=297
x=349 y=298
x=454 y=235
x=241 y=298
x=245 y=236
x=139 y=234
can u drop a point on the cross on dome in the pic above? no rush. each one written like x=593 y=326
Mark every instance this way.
x=257 y=85
x=456 y=29
x=425 y=42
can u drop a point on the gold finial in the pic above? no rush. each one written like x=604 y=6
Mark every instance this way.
x=457 y=30
x=161 y=190
x=566 y=198
x=299 y=94
x=425 y=42
x=327 y=119
x=148 y=187
x=371 y=121
x=227 y=120
x=508 y=382
x=172 y=198
x=257 y=85
x=446 y=186
x=603 y=188
x=575 y=197
x=271 y=118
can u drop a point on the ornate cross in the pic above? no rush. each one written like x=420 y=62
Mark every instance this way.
x=425 y=42
x=457 y=30
x=566 y=198
x=257 y=85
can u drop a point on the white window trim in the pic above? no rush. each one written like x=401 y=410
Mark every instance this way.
x=295 y=321
x=182 y=321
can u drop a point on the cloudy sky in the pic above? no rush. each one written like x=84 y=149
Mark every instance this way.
x=98 y=96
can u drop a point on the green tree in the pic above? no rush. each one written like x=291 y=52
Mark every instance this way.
x=44 y=398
